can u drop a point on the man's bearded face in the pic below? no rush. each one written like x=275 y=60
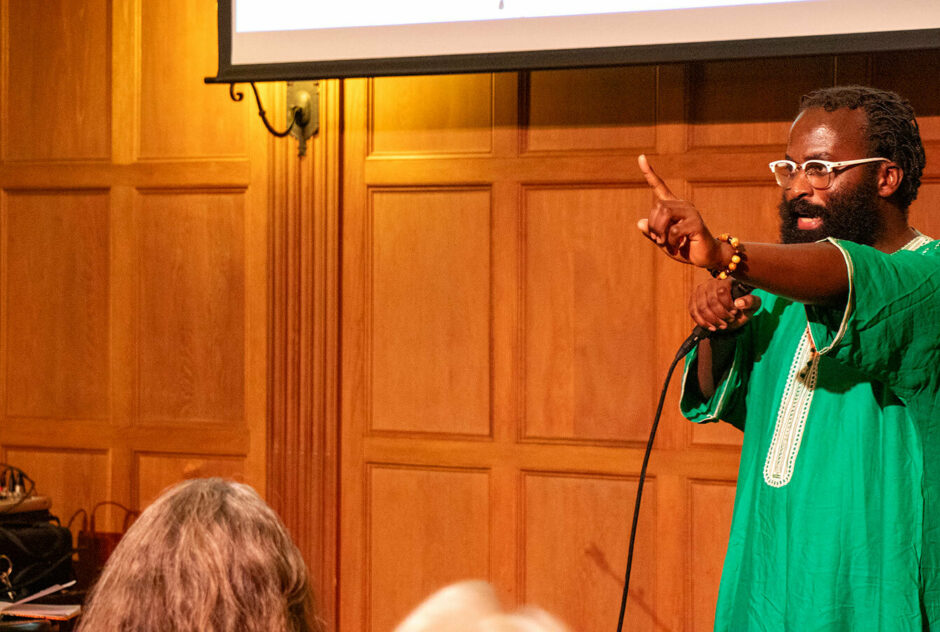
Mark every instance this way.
x=851 y=215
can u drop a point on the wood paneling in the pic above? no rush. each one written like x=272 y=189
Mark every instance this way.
x=575 y=545
x=133 y=294
x=907 y=73
x=746 y=103
x=155 y=472
x=180 y=116
x=304 y=335
x=59 y=62
x=431 y=311
x=433 y=531
x=581 y=348
x=57 y=261
x=192 y=306
x=448 y=114
x=584 y=318
x=73 y=479
x=923 y=212
x=711 y=504
x=595 y=108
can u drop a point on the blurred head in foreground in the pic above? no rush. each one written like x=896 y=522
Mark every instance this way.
x=472 y=606
x=207 y=555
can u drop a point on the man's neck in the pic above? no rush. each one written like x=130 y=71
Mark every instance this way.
x=895 y=231
x=895 y=240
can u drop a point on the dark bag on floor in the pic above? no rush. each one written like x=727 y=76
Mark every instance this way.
x=34 y=554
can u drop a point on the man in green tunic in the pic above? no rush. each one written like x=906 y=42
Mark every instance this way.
x=832 y=369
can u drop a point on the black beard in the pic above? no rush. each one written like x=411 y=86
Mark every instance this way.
x=853 y=216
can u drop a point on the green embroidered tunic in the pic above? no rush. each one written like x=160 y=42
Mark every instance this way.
x=836 y=522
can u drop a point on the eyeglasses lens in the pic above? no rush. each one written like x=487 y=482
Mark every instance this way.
x=783 y=172
x=816 y=173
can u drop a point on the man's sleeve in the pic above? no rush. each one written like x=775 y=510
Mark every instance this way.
x=728 y=402
x=890 y=327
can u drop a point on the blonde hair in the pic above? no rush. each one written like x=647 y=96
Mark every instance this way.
x=472 y=606
x=207 y=555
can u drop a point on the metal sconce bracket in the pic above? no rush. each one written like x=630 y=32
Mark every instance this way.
x=303 y=111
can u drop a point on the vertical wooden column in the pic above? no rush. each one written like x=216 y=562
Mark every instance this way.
x=304 y=339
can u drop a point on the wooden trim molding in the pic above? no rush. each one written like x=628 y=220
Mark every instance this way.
x=302 y=470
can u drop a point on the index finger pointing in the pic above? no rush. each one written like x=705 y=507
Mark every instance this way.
x=659 y=187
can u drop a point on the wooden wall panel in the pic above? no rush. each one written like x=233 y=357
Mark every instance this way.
x=56 y=256
x=905 y=73
x=74 y=479
x=923 y=212
x=417 y=115
x=711 y=504
x=434 y=530
x=584 y=318
x=155 y=472
x=575 y=545
x=130 y=291
x=62 y=111
x=744 y=209
x=591 y=109
x=180 y=116
x=192 y=297
x=581 y=301
x=751 y=103
x=431 y=311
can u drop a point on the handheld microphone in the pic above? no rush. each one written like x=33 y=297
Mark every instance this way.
x=738 y=290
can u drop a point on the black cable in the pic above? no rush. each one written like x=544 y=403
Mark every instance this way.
x=15 y=477
x=683 y=351
x=738 y=289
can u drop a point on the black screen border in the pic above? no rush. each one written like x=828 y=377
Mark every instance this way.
x=557 y=59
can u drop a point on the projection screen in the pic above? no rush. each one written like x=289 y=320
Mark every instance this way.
x=294 y=39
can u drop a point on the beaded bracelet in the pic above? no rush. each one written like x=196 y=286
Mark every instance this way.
x=736 y=257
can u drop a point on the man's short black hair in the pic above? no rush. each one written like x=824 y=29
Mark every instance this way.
x=892 y=130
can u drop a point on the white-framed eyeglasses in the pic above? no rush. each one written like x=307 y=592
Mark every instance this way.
x=818 y=172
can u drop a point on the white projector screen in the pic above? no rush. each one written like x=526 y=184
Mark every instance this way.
x=305 y=39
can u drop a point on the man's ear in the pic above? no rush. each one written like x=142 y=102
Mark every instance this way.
x=889 y=179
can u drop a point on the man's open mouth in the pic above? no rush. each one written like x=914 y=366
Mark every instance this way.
x=808 y=223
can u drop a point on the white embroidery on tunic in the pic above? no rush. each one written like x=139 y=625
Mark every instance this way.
x=796 y=400
x=917 y=242
x=791 y=417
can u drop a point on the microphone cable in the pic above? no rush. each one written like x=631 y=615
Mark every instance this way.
x=683 y=351
x=738 y=290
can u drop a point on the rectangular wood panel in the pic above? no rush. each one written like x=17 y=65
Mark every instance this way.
x=61 y=112
x=906 y=73
x=73 y=479
x=154 y=472
x=711 y=504
x=427 y=528
x=56 y=257
x=587 y=280
x=575 y=549
x=192 y=307
x=181 y=116
x=431 y=310
x=432 y=115
x=591 y=109
x=750 y=103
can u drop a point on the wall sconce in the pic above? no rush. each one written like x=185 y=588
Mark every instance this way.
x=303 y=111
